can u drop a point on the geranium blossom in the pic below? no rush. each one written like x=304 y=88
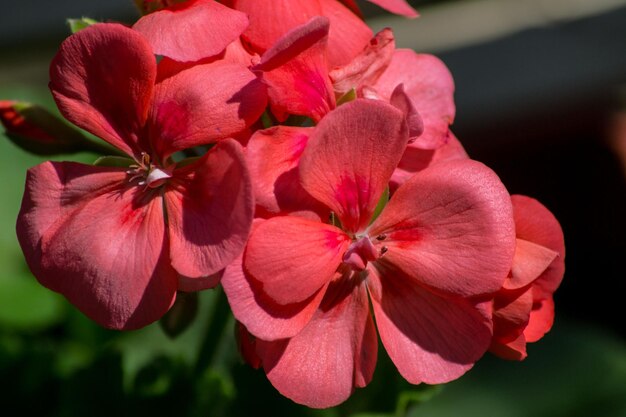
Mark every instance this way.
x=116 y=240
x=524 y=308
x=303 y=286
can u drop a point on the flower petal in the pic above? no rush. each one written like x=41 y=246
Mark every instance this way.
x=293 y=257
x=511 y=312
x=263 y=317
x=271 y=19
x=416 y=159
x=351 y=156
x=348 y=34
x=333 y=354
x=366 y=67
x=535 y=223
x=429 y=84
x=273 y=155
x=296 y=72
x=541 y=320
x=210 y=208
x=102 y=80
x=203 y=104
x=192 y=30
x=450 y=227
x=529 y=262
x=99 y=242
x=430 y=338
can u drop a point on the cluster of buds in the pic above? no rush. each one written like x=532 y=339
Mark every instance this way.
x=282 y=150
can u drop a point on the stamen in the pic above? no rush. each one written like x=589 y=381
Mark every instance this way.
x=381 y=237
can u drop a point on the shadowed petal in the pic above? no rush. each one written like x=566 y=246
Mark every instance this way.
x=102 y=80
x=529 y=262
x=262 y=316
x=511 y=312
x=351 y=156
x=429 y=84
x=210 y=208
x=333 y=354
x=192 y=30
x=99 y=242
x=296 y=72
x=273 y=155
x=203 y=104
x=430 y=338
x=400 y=7
x=535 y=223
x=450 y=227
x=293 y=257
x=541 y=320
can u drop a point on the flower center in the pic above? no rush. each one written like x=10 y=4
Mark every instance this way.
x=148 y=174
x=362 y=251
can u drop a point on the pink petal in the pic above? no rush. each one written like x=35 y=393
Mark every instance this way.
x=416 y=159
x=529 y=262
x=366 y=67
x=354 y=8
x=102 y=80
x=271 y=19
x=348 y=33
x=191 y=284
x=295 y=70
x=293 y=257
x=450 y=227
x=535 y=223
x=541 y=320
x=333 y=354
x=400 y=7
x=192 y=30
x=98 y=241
x=515 y=350
x=430 y=338
x=210 y=208
x=263 y=317
x=511 y=312
x=203 y=104
x=429 y=84
x=350 y=157
x=400 y=100
x=273 y=155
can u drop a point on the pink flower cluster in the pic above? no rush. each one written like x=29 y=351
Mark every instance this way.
x=328 y=195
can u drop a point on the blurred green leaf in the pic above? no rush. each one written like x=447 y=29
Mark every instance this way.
x=80 y=24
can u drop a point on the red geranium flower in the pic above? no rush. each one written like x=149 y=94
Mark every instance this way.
x=114 y=240
x=524 y=309
x=304 y=286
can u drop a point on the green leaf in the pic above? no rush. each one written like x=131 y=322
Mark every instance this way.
x=384 y=199
x=114 y=161
x=346 y=98
x=80 y=24
x=181 y=315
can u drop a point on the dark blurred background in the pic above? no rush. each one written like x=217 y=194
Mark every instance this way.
x=541 y=99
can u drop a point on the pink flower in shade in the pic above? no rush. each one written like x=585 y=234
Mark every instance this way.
x=303 y=287
x=115 y=240
x=524 y=309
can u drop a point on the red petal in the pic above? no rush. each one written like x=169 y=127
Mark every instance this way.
x=295 y=70
x=450 y=227
x=535 y=223
x=203 y=104
x=400 y=7
x=333 y=354
x=529 y=262
x=102 y=80
x=541 y=320
x=210 y=208
x=366 y=67
x=192 y=30
x=260 y=314
x=416 y=159
x=511 y=312
x=293 y=257
x=273 y=155
x=515 y=350
x=99 y=242
x=350 y=157
x=348 y=34
x=430 y=338
x=429 y=84
x=271 y=19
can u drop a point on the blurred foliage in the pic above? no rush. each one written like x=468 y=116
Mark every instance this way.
x=55 y=362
